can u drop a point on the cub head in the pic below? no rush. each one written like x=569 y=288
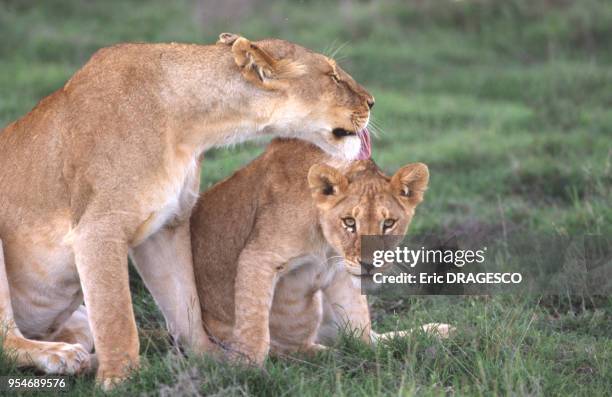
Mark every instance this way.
x=362 y=201
x=317 y=100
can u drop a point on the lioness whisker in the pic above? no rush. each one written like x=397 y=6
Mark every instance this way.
x=338 y=49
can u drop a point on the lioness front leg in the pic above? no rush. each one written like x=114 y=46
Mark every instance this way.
x=254 y=289
x=165 y=264
x=101 y=251
x=49 y=357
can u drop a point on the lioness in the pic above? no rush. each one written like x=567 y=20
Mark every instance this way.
x=276 y=246
x=109 y=164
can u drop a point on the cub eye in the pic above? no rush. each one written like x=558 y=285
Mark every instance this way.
x=335 y=78
x=388 y=224
x=349 y=223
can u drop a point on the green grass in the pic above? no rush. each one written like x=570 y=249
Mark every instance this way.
x=507 y=102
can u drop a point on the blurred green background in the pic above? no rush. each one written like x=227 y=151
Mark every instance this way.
x=508 y=102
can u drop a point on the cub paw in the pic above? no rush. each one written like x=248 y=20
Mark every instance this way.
x=314 y=349
x=440 y=330
x=61 y=358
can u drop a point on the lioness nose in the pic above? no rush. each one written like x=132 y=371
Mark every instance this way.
x=371 y=103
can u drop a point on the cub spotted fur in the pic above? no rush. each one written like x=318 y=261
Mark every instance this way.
x=276 y=246
x=109 y=164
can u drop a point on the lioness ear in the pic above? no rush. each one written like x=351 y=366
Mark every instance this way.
x=255 y=64
x=410 y=182
x=326 y=183
x=258 y=66
x=227 y=38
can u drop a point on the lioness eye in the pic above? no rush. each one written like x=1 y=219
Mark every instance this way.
x=388 y=224
x=335 y=78
x=349 y=223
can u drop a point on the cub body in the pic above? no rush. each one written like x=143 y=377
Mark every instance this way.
x=276 y=246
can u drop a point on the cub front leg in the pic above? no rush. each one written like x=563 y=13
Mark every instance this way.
x=256 y=278
x=101 y=250
x=345 y=309
x=295 y=316
x=165 y=263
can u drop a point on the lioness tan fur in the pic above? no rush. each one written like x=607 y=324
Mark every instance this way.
x=276 y=247
x=109 y=165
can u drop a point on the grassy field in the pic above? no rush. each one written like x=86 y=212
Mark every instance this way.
x=508 y=102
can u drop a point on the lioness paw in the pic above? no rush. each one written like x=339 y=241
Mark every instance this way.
x=107 y=384
x=61 y=358
x=109 y=376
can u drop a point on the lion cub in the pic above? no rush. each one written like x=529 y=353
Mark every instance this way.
x=276 y=246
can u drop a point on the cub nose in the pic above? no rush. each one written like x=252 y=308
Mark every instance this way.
x=371 y=103
x=366 y=267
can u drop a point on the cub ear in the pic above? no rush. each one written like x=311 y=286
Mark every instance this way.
x=410 y=182
x=326 y=183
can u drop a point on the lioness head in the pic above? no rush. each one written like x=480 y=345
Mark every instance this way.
x=362 y=201
x=319 y=102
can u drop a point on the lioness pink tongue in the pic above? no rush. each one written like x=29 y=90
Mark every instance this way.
x=366 y=148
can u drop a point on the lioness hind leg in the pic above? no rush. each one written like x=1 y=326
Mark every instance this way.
x=75 y=330
x=49 y=357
